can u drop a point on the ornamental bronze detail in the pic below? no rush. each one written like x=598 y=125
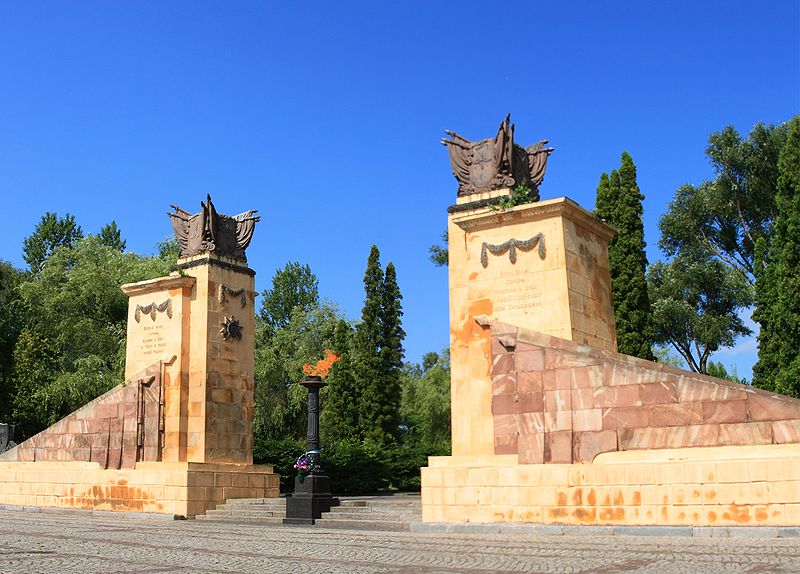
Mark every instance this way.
x=224 y=289
x=231 y=329
x=496 y=163
x=511 y=246
x=212 y=232
x=152 y=309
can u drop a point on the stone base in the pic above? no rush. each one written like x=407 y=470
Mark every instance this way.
x=716 y=486
x=182 y=489
x=311 y=497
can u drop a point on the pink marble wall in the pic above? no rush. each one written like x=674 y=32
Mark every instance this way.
x=554 y=401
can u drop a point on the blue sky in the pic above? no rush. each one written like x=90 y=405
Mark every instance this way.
x=326 y=117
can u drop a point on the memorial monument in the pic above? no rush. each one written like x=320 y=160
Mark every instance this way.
x=176 y=437
x=549 y=423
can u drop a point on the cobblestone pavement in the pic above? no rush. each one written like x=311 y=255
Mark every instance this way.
x=66 y=543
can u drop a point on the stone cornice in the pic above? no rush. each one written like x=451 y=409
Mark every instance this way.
x=483 y=218
x=173 y=281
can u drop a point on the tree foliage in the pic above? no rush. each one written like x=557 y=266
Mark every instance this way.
x=695 y=303
x=11 y=321
x=111 y=236
x=726 y=216
x=425 y=407
x=778 y=280
x=51 y=232
x=293 y=286
x=377 y=353
x=439 y=254
x=619 y=202
x=72 y=346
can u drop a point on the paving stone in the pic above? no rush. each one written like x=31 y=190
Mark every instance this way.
x=71 y=543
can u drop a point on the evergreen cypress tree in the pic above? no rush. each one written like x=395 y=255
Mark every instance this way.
x=387 y=419
x=367 y=346
x=377 y=353
x=778 y=281
x=619 y=202
x=343 y=400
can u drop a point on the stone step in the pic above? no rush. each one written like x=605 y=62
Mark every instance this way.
x=241 y=519
x=258 y=502
x=382 y=502
x=393 y=525
x=374 y=516
x=245 y=512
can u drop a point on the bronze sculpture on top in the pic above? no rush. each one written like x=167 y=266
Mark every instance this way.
x=496 y=163
x=209 y=231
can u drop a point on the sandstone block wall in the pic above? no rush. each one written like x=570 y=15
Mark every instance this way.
x=555 y=401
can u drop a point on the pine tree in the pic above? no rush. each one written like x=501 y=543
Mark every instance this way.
x=778 y=280
x=619 y=202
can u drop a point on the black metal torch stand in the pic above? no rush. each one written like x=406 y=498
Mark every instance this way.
x=312 y=493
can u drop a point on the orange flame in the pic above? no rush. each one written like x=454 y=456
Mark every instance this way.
x=323 y=366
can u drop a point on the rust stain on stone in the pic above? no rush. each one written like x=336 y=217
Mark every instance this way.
x=712 y=516
x=585 y=514
x=592 y=497
x=761 y=514
x=637 y=498
x=608 y=514
x=711 y=494
x=740 y=514
x=562 y=498
x=557 y=512
x=577 y=497
x=619 y=500
x=473 y=275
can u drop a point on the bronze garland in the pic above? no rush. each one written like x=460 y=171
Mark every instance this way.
x=511 y=246
x=152 y=308
x=224 y=289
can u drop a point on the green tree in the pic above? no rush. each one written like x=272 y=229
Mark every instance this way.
x=11 y=320
x=72 y=346
x=695 y=304
x=51 y=232
x=425 y=406
x=725 y=217
x=439 y=254
x=111 y=236
x=619 y=202
x=280 y=403
x=778 y=280
x=294 y=285
x=377 y=353
x=342 y=409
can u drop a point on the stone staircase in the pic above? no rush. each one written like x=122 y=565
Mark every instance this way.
x=248 y=511
x=374 y=513
x=357 y=512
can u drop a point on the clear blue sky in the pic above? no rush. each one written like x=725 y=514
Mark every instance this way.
x=327 y=117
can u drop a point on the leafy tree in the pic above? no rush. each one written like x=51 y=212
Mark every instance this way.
x=438 y=254
x=619 y=202
x=111 y=236
x=11 y=321
x=695 y=301
x=726 y=216
x=280 y=403
x=50 y=232
x=72 y=346
x=294 y=285
x=778 y=280
x=717 y=369
x=425 y=406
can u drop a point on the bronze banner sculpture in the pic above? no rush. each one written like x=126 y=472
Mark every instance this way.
x=209 y=231
x=496 y=163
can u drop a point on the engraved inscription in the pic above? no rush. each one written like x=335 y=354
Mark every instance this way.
x=517 y=295
x=154 y=341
